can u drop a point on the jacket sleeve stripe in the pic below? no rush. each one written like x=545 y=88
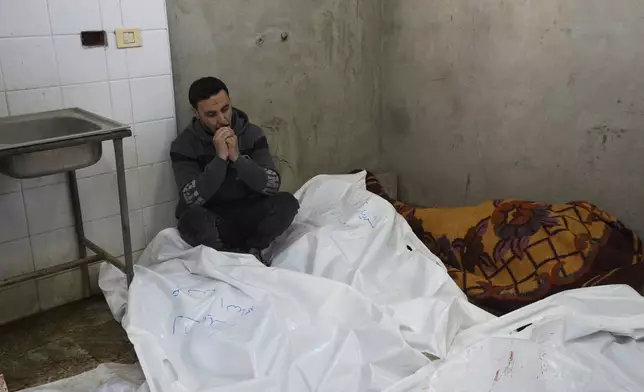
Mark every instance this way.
x=191 y=195
x=272 y=182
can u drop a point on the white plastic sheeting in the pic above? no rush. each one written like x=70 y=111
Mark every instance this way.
x=580 y=340
x=352 y=299
x=228 y=323
x=107 y=377
x=345 y=233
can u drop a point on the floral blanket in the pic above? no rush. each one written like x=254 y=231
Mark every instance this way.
x=505 y=254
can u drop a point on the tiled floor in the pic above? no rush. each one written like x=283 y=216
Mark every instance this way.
x=60 y=343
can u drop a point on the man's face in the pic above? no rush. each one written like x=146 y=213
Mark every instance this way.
x=215 y=112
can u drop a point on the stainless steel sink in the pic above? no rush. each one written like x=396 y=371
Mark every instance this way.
x=40 y=144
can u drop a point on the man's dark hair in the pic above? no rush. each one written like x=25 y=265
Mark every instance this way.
x=205 y=88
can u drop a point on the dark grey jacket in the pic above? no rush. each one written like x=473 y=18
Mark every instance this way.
x=205 y=179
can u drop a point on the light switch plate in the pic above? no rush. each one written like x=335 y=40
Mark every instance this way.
x=128 y=38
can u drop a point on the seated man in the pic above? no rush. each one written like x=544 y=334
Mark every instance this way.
x=228 y=184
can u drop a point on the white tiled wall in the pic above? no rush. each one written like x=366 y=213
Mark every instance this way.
x=44 y=67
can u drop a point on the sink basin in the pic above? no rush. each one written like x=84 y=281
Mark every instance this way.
x=41 y=144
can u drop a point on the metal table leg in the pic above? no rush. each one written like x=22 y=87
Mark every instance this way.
x=125 y=217
x=80 y=233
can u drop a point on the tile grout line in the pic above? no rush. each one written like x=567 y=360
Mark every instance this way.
x=24 y=208
x=4 y=82
x=137 y=167
x=107 y=66
x=174 y=203
x=108 y=80
x=6 y=102
x=129 y=89
x=53 y=47
x=62 y=103
x=60 y=34
x=29 y=236
x=133 y=127
x=31 y=248
x=92 y=82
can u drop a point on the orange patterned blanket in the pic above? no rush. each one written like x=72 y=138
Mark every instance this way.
x=505 y=254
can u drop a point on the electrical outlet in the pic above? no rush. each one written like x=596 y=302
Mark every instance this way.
x=128 y=38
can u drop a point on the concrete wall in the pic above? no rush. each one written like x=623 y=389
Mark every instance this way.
x=315 y=94
x=529 y=99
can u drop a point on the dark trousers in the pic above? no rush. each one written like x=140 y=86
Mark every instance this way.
x=240 y=225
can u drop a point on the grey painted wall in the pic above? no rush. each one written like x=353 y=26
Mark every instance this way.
x=315 y=95
x=468 y=100
x=529 y=99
